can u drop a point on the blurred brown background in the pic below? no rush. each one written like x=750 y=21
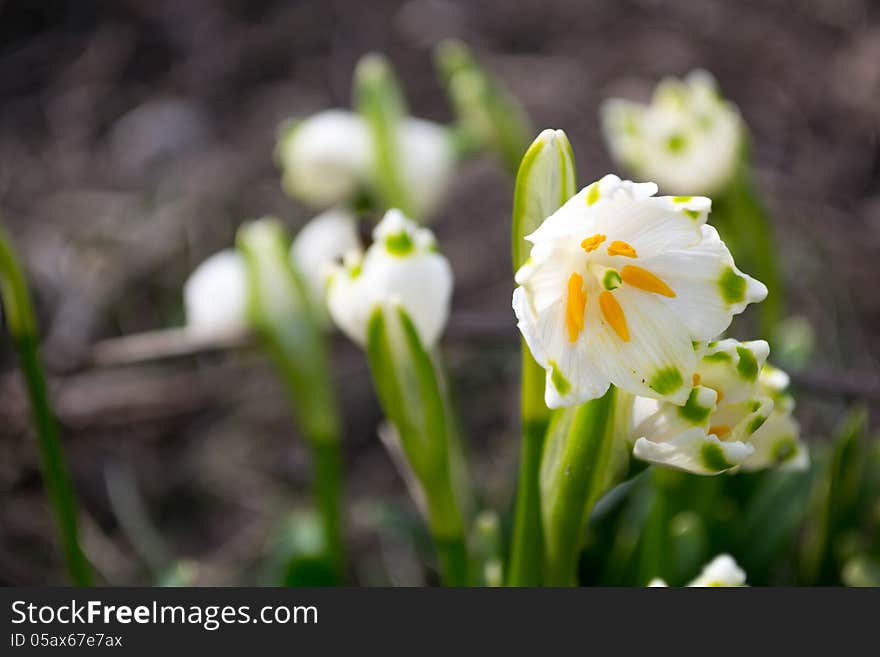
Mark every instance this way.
x=136 y=135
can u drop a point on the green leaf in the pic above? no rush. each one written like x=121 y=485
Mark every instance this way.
x=544 y=182
x=379 y=99
x=574 y=474
x=489 y=115
x=279 y=311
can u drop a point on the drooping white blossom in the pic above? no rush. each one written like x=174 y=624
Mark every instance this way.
x=326 y=157
x=215 y=295
x=619 y=286
x=688 y=139
x=329 y=157
x=320 y=244
x=402 y=266
x=729 y=420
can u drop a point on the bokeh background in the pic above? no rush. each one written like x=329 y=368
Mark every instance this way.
x=135 y=136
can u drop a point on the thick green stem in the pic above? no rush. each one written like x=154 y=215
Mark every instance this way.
x=447 y=529
x=573 y=475
x=22 y=326
x=327 y=462
x=527 y=542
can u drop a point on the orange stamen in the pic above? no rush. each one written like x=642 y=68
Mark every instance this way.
x=696 y=379
x=613 y=314
x=592 y=243
x=622 y=249
x=575 y=305
x=719 y=430
x=645 y=280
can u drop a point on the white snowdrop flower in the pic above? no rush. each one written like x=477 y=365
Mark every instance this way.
x=403 y=267
x=427 y=163
x=326 y=157
x=317 y=247
x=688 y=139
x=736 y=415
x=618 y=287
x=722 y=571
x=215 y=295
x=777 y=442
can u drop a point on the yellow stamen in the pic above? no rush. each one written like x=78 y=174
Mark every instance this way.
x=592 y=243
x=621 y=248
x=696 y=379
x=645 y=280
x=575 y=305
x=719 y=430
x=613 y=314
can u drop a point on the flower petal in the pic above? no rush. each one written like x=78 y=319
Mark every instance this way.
x=709 y=288
x=693 y=451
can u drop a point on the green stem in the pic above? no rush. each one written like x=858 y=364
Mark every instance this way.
x=327 y=462
x=527 y=541
x=573 y=475
x=22 y=326
x=447 y=529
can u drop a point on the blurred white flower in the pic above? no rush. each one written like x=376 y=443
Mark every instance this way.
x=326 y=157
x=689 y=139
x=329 y=156
x=618 y=287
x=215 y=295
x=317 y=247
x=427 y=163
x=729 y=419
x=403 y=267
x=721 y=572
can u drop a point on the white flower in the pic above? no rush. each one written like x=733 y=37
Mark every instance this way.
x=326 y=157
x=729 y=419
x=317 y=247
x=618 y=287
x=427 y=163
x=215 y=295
x=403 y=267
x=688 y=140
x=721 y=572
x=330 y=156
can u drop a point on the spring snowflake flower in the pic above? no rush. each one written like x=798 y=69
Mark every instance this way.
x=721 y=572
x=329 y=158
x=326 y=157
x=401 y=266
x=730 y=418
x=689 y=139
x=618 y=287
x=317 y=247
x=215 y=295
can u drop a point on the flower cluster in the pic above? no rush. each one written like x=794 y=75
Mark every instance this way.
x=216 y=293
x=737 y=414
x=619 y=287
x=689 y=139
